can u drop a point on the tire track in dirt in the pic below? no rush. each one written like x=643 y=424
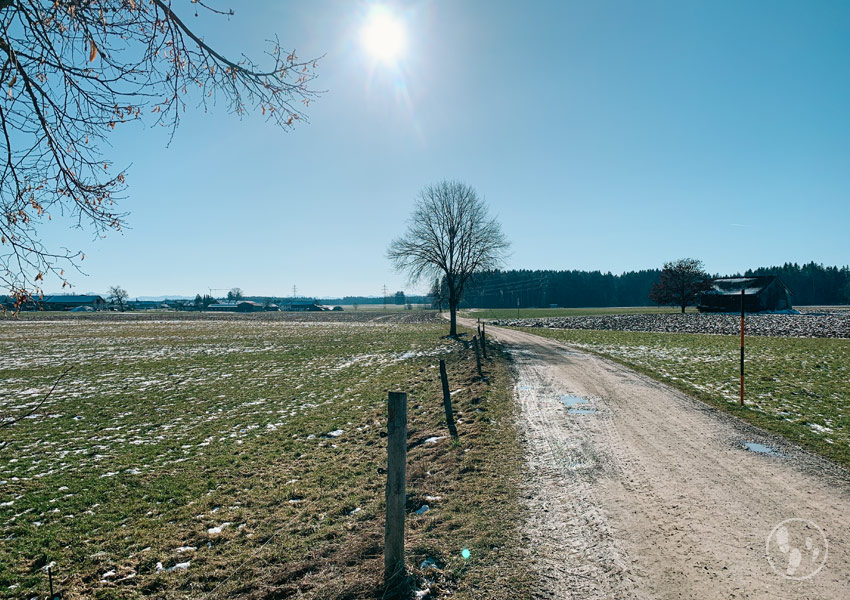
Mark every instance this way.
x=654 y=496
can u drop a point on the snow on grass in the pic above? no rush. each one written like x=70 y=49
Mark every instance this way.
x=152 y=414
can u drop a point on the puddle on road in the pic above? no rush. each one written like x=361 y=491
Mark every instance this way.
x=572 y=400
x=760 y=448
x=576 y=405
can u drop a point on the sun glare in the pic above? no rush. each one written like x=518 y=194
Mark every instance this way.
x=383 y=37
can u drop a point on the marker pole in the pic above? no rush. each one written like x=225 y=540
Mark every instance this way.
x=742 y=347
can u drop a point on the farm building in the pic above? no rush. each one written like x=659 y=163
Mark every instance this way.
x=303 y=305
x=761 y=293
x=222 y=307
x=59 y=302
x=249 y=306
x=243 y=306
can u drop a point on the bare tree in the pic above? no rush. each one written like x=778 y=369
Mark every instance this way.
x=680 y=283
x=117 y=295
x=235 y=295
x=451 y=236
x=72 y=71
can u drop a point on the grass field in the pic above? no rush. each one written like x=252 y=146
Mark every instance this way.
x=796 y=387
x=539 y=313
x=238 y=457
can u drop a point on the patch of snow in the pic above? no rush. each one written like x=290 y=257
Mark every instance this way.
x=820 y=428
x=217 y=530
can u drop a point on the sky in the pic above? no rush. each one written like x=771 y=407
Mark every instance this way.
x=603 y=135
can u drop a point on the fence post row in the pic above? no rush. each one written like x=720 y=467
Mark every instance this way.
x=477 y=355
x=394 y=571
x=484 y=340
x=447 y=400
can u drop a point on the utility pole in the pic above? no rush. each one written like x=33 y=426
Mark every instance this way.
x=294 y=291
x=385 y=296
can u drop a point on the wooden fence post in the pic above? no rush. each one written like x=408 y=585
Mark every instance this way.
x=394 y=571
x=484 y=340
x=477 y=356
x=447 y=400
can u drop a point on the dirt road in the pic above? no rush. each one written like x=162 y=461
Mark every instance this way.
x=638 y=491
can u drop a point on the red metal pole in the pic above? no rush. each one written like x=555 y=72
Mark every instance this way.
x=742 y=347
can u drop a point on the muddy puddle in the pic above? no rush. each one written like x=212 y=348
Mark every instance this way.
x=761 y=448
x=576 y=405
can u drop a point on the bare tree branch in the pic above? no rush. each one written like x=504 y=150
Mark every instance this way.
x=71 y=71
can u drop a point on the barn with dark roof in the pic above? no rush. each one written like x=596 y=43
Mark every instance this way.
x=761 y=293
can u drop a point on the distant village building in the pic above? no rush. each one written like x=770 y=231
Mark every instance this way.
x=249 y=306
x=761 y=293
x=59 y=302
x=303 y=305
x=222 y=307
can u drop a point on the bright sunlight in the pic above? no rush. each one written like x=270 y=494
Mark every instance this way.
x=383 y=36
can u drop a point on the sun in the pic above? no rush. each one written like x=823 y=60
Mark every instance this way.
x=383 y=37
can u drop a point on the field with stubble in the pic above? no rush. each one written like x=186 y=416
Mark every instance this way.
x=241 y=456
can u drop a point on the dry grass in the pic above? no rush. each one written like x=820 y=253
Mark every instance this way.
x=168 y=429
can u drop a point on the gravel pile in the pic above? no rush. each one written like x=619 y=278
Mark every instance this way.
x=828 y=324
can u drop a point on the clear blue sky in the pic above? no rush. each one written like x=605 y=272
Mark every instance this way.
x=604 y=135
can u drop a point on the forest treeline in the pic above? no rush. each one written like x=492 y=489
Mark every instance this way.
x=811 y=283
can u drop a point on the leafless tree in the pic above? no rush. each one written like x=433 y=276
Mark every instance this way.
x=680 y=283
x=235 y=295
x=117 y=295
x=450 y=236
x=71 y=71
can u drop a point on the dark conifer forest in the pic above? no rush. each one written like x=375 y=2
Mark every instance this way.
x=811 y=284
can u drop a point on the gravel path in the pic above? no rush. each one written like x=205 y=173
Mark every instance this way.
x=831 y=324
x=639 y=491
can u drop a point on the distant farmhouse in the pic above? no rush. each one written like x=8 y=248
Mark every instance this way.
x=761 y=293
x=242 y=306
x=302 y=305
x=59 y=302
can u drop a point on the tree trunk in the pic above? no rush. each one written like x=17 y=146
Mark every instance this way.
x=683 y=309
x=452 y=309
